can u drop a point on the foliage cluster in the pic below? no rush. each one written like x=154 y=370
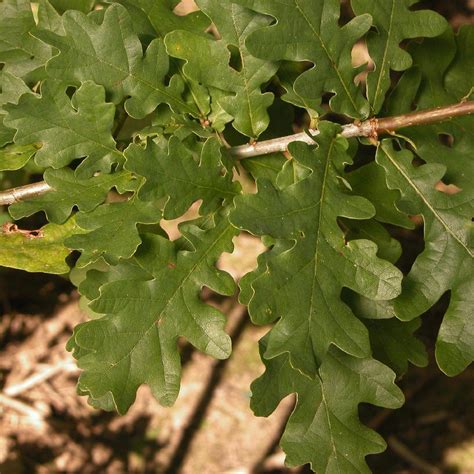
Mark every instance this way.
x=127 y=110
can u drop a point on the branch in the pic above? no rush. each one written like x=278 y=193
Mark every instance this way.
x=371 y=128
x=425 y=117
x=11 y=196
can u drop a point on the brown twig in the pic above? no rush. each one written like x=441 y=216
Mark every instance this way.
x=371 y=128
x=11 y=196
x=410 y=457
x=424 y=117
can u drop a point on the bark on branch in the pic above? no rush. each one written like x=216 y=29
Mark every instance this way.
x=14 y=195
x=371 y=128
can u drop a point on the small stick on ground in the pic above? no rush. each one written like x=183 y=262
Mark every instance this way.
x=273 y=445
x=34 y=415
x=410 y=457
x=40 y=377
x=380 y=418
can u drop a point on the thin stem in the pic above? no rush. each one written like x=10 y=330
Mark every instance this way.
x=11 y=196
x=371 y=128
x=425 y=117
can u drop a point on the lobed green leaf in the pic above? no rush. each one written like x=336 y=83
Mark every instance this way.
x=306 y=30
x=67 y=129
x=110 y=54
x=299 y=282
x=447 y=262
x=394 y=22
x=208 y=63
x=324 y=429
x=136 y=341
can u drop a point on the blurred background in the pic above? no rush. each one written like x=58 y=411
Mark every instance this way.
x=45 y=427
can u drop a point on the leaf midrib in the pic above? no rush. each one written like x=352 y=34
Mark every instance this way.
x=326 y=410
x=427 y=203
x=128 y=73
x=331 y=60
x=316 y=251
x=175 y=292
x=385 y=54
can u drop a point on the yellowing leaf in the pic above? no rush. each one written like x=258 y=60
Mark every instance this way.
x=41 y=251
